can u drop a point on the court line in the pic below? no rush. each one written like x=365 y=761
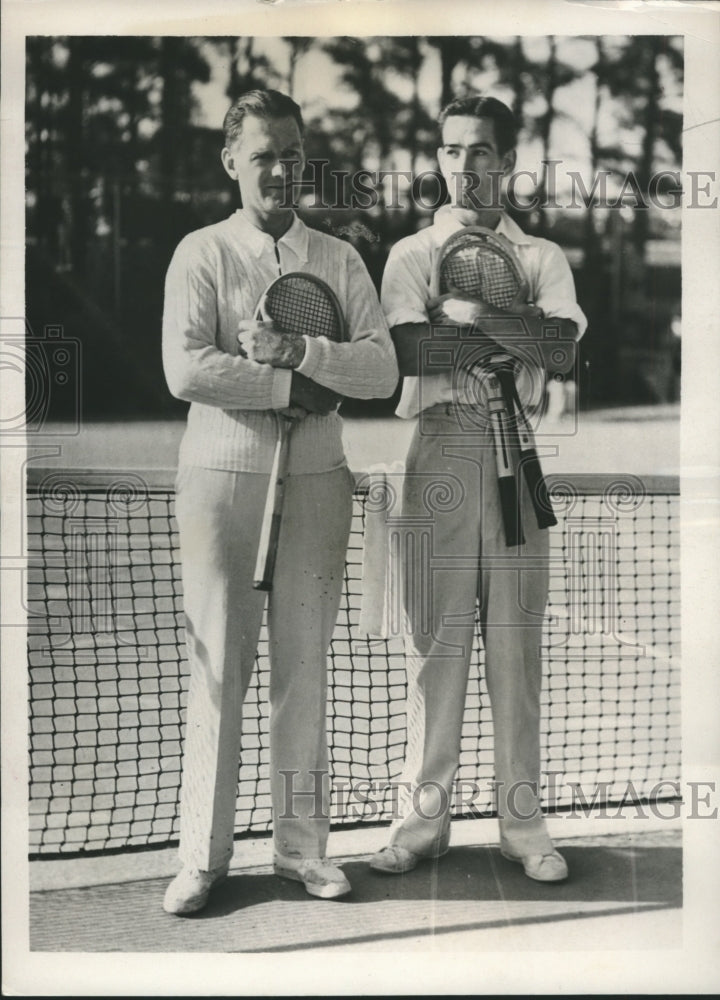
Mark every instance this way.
x=252 y=854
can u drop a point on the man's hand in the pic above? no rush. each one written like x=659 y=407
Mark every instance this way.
x=311 y=396
x=525 y=309
x=457 y=309
x=260 y=341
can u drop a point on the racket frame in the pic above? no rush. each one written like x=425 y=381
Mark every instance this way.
x=262 y=313
x=483 y=236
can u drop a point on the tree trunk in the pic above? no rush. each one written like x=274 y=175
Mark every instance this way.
x=518 y=57
x=75 y=155
x=640 y=228
x=545 y=130
x=170 y=125
x=451 y=51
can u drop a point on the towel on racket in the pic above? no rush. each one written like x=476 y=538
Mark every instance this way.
x=382 y=604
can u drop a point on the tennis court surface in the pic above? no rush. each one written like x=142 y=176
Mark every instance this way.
x=624 y=892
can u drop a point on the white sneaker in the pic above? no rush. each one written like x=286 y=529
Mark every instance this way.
x=319 y=876
x=541 y=867
x=189 y=890
x=395 y=860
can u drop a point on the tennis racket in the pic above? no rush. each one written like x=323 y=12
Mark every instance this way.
x=532 y=469
x=481 y=263
x=304 y=305
x=522 y=437
x=505 y=441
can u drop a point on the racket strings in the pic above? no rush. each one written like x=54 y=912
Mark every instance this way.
x=482 y=271
x=303 y=308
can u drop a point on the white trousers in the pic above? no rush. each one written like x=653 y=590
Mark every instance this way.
x=456 y=555
x=219 y=516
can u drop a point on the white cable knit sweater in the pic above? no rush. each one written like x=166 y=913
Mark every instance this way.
x=215 y=279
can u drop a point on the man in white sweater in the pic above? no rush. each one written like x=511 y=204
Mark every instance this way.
x=239 y=374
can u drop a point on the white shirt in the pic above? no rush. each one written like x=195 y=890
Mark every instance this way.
x=215 y=279
x=406 y=289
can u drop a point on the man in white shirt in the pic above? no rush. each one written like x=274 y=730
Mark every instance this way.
x=239 y=375
x=469 y=559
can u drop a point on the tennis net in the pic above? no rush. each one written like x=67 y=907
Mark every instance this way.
x=108 y=673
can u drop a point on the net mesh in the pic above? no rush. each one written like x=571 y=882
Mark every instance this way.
x=298 y=304
x=476 y=267
x=108 y=675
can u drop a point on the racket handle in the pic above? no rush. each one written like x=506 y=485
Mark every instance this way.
x=532 y=470
x=510 y=506
x=507 y=484
x=537 y=488
x=504 y=438
x=272 y=515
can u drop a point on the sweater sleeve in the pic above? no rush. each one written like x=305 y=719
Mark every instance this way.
x=365 y=366
x=196 y=370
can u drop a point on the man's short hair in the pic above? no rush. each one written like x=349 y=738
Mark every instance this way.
x=260 y=104
x=485 y=107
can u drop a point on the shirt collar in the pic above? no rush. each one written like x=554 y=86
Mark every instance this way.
x=508 y=227
x=447 y=224
x=296 y=238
